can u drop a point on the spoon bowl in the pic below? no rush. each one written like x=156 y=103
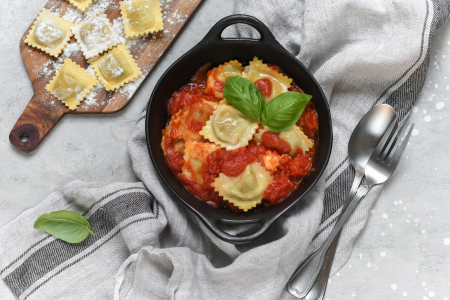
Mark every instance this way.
x=365 y=137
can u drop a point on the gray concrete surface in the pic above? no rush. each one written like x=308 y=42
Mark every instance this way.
x=402 y=254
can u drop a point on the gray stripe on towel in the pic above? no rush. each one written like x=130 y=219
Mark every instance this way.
x=57 y=252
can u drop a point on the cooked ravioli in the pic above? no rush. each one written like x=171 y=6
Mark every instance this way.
x=296 y=139
x=141 y=17
x=82 y=5
x=96 y=35
x=195 y=154
x=218 y=76
x=116 y=68
x=71 y=84
x=187 y=123
x=257 y=70
x=246 y=190
x=229 y=128
x=50 y=33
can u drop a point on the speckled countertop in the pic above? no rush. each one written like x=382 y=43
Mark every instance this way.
x=404 y=251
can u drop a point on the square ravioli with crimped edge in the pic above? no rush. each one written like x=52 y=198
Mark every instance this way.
x=141 y=17
x=71 y=84
x=116 y=68
x=187 y=123
x=195 y=154
x=82 y=5
x=50 y=33
x=96 y=35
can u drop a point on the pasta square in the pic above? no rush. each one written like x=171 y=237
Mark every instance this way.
x=195 y=154
x=50 y=33
x=82 y=5
x=228 y=127
x=246 y=190
x=141 y=17
x=71 y=84
x=257 y=70
x=116 y=68
x=215 y=82
x=96 y=35
x=187 y=123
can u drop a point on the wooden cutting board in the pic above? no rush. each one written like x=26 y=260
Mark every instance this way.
x=44 y=110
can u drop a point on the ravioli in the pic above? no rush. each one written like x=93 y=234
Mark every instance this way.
x=187 y=123
x=141 y=17
x=50 y=33
x=295 y=137
x=257 y=70
x=229 y=128
x=195 y=154
x=246 y=190
x=71 y=84
x=217 y=77
x=116 y=68
x=82 y=5
x=96 y=35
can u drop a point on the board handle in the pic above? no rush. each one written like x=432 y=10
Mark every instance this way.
x=35 y=123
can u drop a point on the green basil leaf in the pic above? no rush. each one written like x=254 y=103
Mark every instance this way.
x=65 y=225
x=284 y=111
x=245 y=96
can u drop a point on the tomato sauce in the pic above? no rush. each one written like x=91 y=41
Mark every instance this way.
x=272 y=141
x=290 y=171
x=265 y=86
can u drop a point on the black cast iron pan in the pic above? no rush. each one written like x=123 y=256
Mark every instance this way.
x=217 y=50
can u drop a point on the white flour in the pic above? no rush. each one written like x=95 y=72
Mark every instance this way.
x=91 y=98
x=51 y=66
x=47 y=32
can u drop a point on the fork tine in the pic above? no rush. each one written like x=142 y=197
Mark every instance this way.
x=394 y=141
x=386 y=136
x=398 y=140
x=398 y=155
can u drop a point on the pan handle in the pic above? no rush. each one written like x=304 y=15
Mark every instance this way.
x=215 y=34
x=214 y=225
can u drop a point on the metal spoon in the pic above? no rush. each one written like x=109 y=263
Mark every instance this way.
x=363 y=141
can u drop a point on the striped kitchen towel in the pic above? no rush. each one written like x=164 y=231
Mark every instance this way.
x=149 y=246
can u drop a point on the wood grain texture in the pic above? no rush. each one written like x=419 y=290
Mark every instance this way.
x=44 y=110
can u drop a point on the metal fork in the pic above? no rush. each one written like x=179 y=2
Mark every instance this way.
x=379 y=168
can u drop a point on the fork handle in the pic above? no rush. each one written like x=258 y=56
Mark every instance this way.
x=317 y=291
x=303 y=279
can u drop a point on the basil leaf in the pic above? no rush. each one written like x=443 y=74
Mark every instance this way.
x=245 y=96
x=65 y=225
x=284 y=111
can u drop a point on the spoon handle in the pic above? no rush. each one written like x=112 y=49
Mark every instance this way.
x=317 y=291
x=303 y=279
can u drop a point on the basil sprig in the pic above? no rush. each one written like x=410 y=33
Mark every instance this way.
x=65 y=225
x=279 y=114
x=284 y=111
x=245 y=96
